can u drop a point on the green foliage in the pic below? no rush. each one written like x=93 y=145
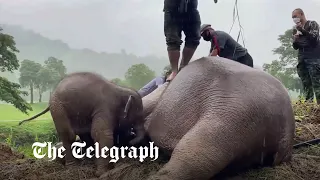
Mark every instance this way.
x=57 y=71
x=138 y=75
x=120 y=82
x=166 y=70
x=56 y=65
x=43 y=78
x=29 y=74
x=8 y=58
x=284 y=69
x=22 y=137
x=10 y=92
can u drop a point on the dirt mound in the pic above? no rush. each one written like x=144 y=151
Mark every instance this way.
x=8 y=154
x=304 y=165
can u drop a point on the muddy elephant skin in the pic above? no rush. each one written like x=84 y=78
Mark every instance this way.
x=87 y=105
x=219 y=115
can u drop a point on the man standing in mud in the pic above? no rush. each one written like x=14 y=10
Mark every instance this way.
x=181 y=15
x=306 y=41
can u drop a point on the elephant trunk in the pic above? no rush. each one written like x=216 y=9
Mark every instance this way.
x=140 y=134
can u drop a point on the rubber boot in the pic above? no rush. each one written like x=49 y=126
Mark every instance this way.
x=174 y=60
x=187 y=54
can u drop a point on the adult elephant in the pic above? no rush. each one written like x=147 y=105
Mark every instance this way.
x=219 y=115
x=88 y=105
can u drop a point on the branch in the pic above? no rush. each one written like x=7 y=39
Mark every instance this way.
x=10 y=92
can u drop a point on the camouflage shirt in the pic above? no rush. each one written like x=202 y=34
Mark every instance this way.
x=308 y=42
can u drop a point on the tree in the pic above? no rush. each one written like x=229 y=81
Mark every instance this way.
x=29 y=75
x=46 y=79
x=58 y=70
x=284 y=69
x=166 y=69
x=10 y=92
x=120 y=82
x=56 y=65
x=138 y=75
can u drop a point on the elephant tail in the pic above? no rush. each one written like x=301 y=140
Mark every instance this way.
x=33 y=117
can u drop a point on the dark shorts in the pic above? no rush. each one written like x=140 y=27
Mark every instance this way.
x=175 y=22
x=246 y=59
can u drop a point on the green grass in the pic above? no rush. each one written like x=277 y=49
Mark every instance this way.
x=8 y=112
x=22 y=137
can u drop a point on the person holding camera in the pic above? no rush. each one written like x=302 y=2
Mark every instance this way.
x=306 y=41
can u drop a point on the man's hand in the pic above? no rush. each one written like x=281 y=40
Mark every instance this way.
x=299 y=27
x=214 y=52
x=295 y=37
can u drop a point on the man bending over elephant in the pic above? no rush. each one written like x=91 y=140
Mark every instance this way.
x=153 y=84
x=181 y=15
x=223 y=45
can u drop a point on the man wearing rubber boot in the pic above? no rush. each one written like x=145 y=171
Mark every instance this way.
x=223 y=45
x=181 y=15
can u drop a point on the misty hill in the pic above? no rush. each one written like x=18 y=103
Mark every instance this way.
x=34 y=46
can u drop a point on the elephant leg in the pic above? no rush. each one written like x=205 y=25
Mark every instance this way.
x=203 y=152
x=86 y=137
x=102 y=132
x=65 y=132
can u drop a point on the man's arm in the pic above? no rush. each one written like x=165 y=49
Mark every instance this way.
x=294 y=37
x=145 y=89
x=218 y=42
x=214 y=52
x=313 y=33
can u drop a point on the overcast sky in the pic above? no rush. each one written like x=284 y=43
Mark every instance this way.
x=137 y=25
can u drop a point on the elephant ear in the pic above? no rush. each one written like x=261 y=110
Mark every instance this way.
x=127 y=107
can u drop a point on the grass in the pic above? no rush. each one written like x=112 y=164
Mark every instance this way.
x=8 y=112
x=22 y=137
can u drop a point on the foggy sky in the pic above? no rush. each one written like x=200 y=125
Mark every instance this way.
x=137 y=25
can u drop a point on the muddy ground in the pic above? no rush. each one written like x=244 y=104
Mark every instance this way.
x=304 y=165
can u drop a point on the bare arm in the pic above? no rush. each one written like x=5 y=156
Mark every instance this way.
x=214 y=52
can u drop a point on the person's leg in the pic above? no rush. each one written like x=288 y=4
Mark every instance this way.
x=246 y=60
x=304 y=75
x=172 y=31
x=191 y=28
x=314 y=70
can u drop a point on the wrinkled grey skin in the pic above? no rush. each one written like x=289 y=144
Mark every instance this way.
x=216 y=115
x=88 y=105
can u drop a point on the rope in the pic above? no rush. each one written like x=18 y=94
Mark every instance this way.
x=237 y=17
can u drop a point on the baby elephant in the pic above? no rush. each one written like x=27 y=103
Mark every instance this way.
x=87 y=105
